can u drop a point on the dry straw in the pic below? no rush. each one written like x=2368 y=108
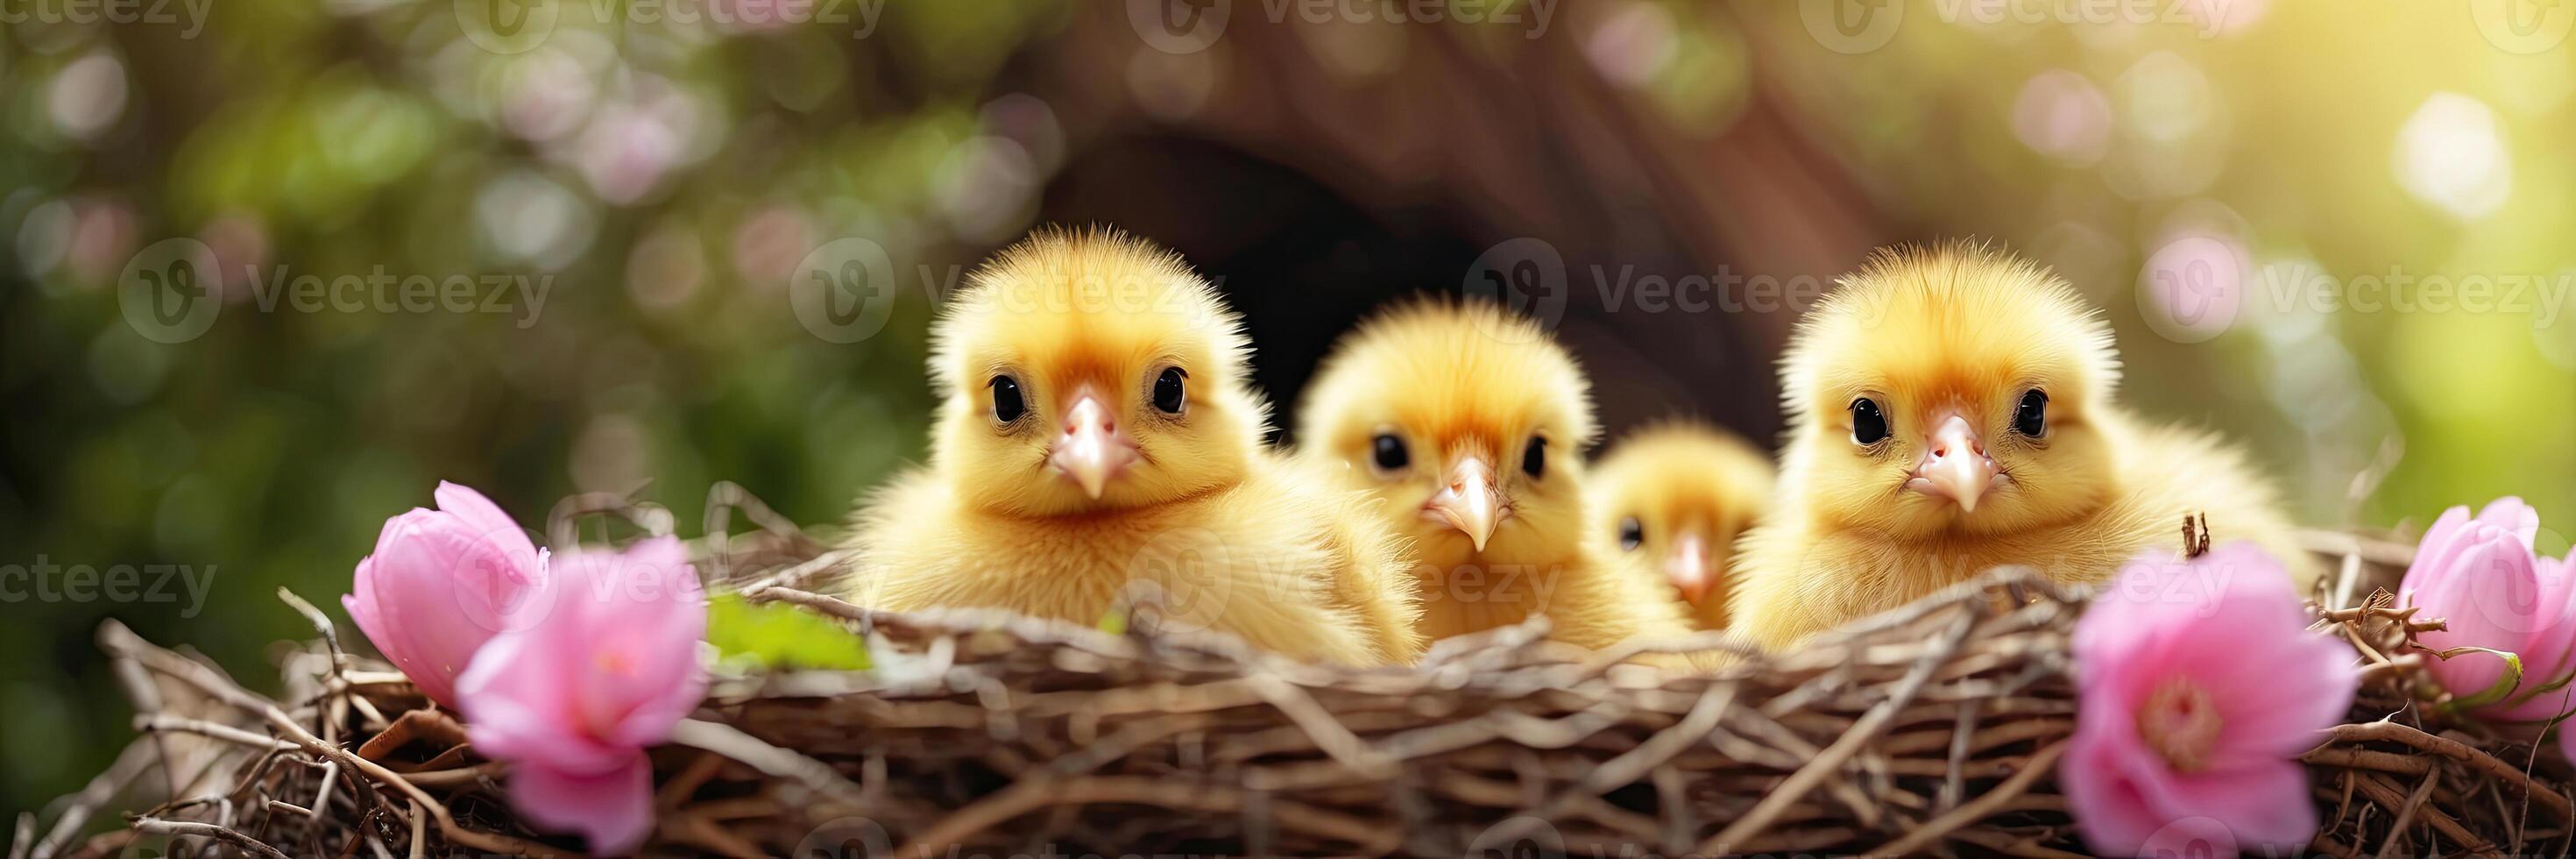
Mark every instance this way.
x=1931 y=730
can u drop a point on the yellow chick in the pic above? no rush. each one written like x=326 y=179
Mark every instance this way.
x=1950 y=410
x=1673 y=497
x=1097 y=428
x=1467 y=425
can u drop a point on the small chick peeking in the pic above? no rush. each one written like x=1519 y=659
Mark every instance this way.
x=1674 y=497
x=1950 y=410
x=1467 y=424
x=1097 y=428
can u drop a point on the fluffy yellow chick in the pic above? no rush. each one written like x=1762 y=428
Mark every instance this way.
x=1950 y=410
x=1467 y=425
x=1673 y=497
x=1097 y=428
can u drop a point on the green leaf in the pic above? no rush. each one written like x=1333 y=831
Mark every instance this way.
x=780 y=635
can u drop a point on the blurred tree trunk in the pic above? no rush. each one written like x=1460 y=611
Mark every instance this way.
x=1320 y=170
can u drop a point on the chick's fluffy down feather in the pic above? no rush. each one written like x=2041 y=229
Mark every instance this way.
x=1243 y=560
x=1968 y=332
x=1239 y=539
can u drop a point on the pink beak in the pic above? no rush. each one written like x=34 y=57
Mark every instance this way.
x=1954 y=465
x=1689 y=567
x=1091 y=450
x=1470 y=503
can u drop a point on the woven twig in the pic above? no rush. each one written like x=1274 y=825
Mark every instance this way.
x=1930 y=729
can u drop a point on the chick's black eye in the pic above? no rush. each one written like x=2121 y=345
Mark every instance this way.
x=1008 y=405
x=1168 y=392
x=1631 y=534
x=1869 y=425
x=1388 y=452
x=1534 y=460
x=2031 y=418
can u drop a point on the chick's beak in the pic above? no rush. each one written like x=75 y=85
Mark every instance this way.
x=1092 y=449
x=1954 y=464
x=1689 y=567
x=1469 y=502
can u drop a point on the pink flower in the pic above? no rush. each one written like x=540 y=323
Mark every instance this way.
x=572 y=700
x=441 y=582
x=2480 y=577
x=2197 y=682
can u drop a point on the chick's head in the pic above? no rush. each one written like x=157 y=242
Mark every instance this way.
x=1672 y=497
x=1089 y=371
x=1466 y=422
x=1951 y=391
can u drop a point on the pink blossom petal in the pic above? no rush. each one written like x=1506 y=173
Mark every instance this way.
x=611 y=808
x=2264 y=804
x=2176 y=636
x=435 y=588
x=2511 y=514
x=606 y=669
x=486 y=518
x=517 y=707
x=2105 y=777
x=2432 y=552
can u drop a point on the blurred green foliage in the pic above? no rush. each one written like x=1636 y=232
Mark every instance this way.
x=662 y=179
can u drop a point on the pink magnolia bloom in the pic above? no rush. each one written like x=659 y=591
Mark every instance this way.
x=572 y=699
x=2480 y=577
x=2197 y=682
x=442 y=582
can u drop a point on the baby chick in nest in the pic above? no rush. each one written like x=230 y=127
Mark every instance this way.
x=1096 y=428
x=1467 y=426
x=1673 y=497
x=1950 y=410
